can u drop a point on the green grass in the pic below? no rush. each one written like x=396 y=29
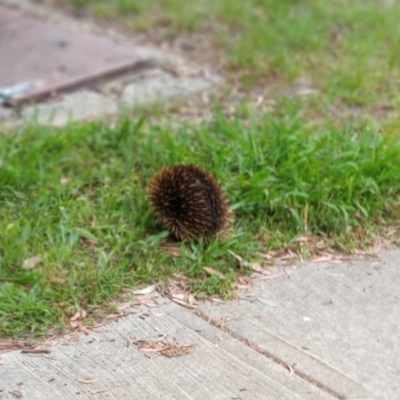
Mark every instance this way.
x=350 y=50
x=76 y=197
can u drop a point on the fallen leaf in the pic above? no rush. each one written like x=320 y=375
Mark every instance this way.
x=65 y=181
x=84 y=328
x=160 y=349
x=144 y=301
x=212 y=271
x=183 y=303
x=115 y=316
x=78 y=315
x=73 y=324
x=322 y=259
x=177 y=294
x=266 y=301
x=10 y=345
x=268 y=277
x=17 y=394
x=35 y=351
x=158 y=315
x=289 y=256
x=93 y=224
x=173 y=250
x=88 y=381
x=32 y=262
x=243 y=286
x=146 y=290
x=124 y=306
x=257 y=267
x=93 y=392
x=255 y=347
x=267 y=256
x=163 y=347
x=301 y=239
x=240 y=259
x=191 y=299
x=219 y=301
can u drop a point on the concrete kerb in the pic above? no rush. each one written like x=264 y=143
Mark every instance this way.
x=169 y=78
x=156 y=86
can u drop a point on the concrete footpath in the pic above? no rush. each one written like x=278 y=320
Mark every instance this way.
x=321 y=331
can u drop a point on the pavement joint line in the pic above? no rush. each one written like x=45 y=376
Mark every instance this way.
x=266 y=354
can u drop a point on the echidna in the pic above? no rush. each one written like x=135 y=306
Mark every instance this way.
x=189 y=202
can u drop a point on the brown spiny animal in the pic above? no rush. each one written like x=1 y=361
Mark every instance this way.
x=189 y=202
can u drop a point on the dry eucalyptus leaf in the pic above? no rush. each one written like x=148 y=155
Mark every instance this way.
x=270 y=277
x=212 y=271
x=302 y=239
x=88 y=381
x=191 y=300
x=65 y=181
x=242 y=286
x=257 y=267
x=79 y=314
x=219 y=301
x=183 y=303
x=323 y=259
x=267 y=256
x=289 y=256
x=240 y=259
x=173 y=250
x=291 y=371
x=178 y=295
x=146 y=290
x=115 y=316
x=266 y=302
x=163 y=347
x=9 y=345
x=32 y=262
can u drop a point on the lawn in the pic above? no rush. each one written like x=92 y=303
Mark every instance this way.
x=76 y=229
x=349 y=50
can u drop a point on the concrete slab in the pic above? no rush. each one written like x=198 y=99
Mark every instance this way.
x=336 y=325
x=217 y=367
x=82 y=105
x=139 y=90
x=274 y=372
x=87 y=105
x=127 y=76
x=162 y=86
x=49 y=58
